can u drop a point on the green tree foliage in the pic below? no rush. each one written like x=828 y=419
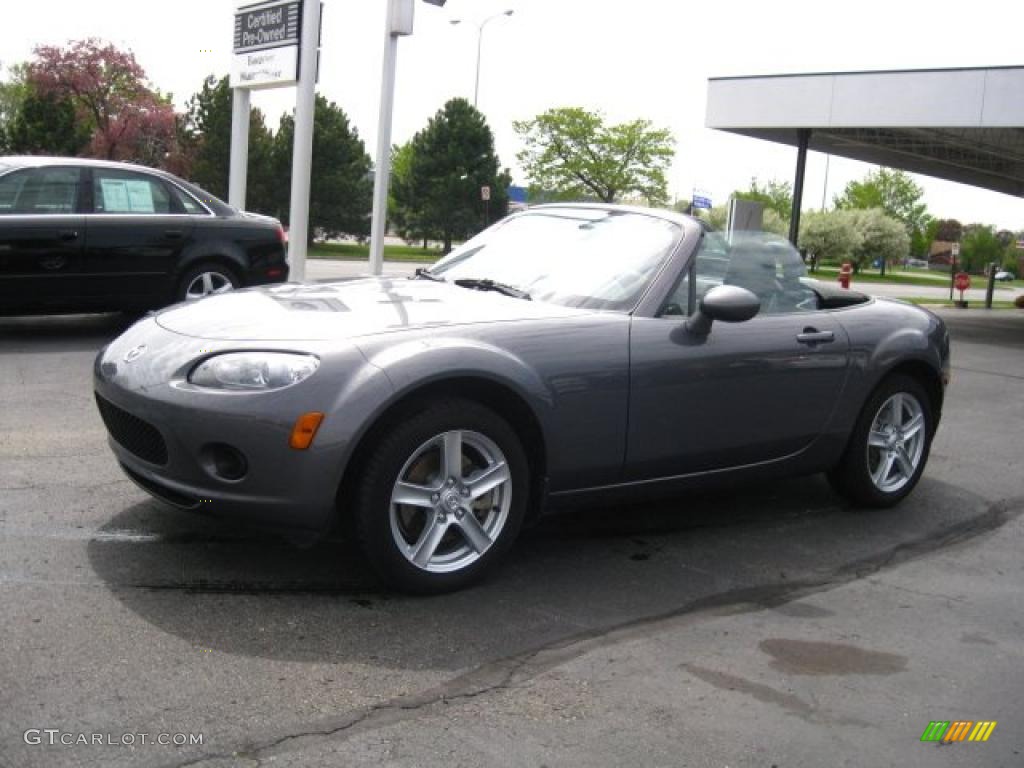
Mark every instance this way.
x=571 y=152
x=830 y=235
x=892 y=191
x=341 y=189
x=46 y=125
x=403 y=214
x=858 y=236
x=1013 y=257
x=207 y=138
x=35 y=123
x=438 y=189
x=774 y=223
x=882 y=238
x=979 y=248
x=775 y=196
x=718 y=216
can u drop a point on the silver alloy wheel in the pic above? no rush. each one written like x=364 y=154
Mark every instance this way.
x=207 y=283
x=451 y=501
x=896 y=442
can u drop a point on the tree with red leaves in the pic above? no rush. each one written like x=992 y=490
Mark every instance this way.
x=129 y=119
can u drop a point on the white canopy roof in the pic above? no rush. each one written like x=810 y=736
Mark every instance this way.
x=966 y=125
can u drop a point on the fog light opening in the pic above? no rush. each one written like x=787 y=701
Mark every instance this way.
x=305 y=430
x=225 y=461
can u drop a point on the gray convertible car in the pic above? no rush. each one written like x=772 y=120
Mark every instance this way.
x=570 y=353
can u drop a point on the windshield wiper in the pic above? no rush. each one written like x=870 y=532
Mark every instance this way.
x=426 y=274
x=486 y=284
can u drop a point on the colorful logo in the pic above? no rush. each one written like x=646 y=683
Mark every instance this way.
x=958 y=730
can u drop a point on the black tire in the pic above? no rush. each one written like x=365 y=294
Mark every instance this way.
x=852 y=477
x=372 y=509
x=215 y=267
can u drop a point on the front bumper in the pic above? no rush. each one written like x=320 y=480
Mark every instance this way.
x=162 y=431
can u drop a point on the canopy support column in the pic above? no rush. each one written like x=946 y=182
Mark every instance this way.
x=803 y=138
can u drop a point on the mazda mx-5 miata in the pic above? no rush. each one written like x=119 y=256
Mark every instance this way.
x=568 y=353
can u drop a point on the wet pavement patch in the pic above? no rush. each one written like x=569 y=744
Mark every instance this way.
x=805 y=657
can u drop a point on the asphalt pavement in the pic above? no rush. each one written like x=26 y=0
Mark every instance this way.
x=758 y=626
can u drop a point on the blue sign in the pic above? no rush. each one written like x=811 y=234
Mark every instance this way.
x=701 y=202
x=517 y=194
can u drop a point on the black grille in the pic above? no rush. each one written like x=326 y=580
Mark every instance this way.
x=138 y=436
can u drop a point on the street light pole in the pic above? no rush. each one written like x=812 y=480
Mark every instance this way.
x=479 y=46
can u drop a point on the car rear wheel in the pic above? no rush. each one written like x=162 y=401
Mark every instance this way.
x=206 y=280
x=442 y=497
x=889 y=445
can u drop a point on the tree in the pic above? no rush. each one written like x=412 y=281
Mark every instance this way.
x=979 y=248
x=948 y=230
x=341 y=190
x=36 y=123
x=830 y=235
x=775 y=196
x=882 y=238
x=403 y=215
x=572 y=152
x=127 y=119
x=448 y=163
x=207 y=138
x=892 y=191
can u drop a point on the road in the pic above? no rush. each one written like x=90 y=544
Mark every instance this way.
x=754 y=626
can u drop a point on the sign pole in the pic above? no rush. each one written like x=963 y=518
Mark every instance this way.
x=399 y=21
x=239 y=148
x=302 y=151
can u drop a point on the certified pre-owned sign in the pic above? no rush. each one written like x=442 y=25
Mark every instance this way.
x=266 y=44
x=267 y=25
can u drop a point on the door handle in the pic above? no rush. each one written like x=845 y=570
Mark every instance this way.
x=173 y=234
x=814 y=336
x=68 y=235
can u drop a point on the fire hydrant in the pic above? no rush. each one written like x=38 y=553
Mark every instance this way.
x=845 y=273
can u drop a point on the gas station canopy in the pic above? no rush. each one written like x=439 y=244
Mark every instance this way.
x=965 y=125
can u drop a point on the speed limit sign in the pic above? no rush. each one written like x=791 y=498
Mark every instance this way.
x=485 y=193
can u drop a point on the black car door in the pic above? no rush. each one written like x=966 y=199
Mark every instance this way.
x=42 y=231
x=135 y=233
x=746 y=392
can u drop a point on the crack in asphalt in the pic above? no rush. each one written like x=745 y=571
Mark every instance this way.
x=988 y=373
x=512 y=671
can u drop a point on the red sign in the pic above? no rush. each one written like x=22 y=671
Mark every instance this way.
x=962 y=281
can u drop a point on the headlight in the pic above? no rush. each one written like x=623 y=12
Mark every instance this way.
x=253 y=371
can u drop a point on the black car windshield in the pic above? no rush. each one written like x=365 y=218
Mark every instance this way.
x=579 y=257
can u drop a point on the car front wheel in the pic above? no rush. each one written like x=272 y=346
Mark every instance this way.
x=889 y=446
x=442 y=497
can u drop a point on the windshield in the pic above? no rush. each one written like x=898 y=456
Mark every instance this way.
x=577 y=257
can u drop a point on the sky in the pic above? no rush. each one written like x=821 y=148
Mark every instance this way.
x=640 y=59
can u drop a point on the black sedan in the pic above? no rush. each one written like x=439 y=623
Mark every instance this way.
x=88 y=235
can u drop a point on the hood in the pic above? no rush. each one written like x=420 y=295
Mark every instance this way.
x=293 y=311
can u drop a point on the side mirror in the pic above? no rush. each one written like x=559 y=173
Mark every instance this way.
x=728 y=303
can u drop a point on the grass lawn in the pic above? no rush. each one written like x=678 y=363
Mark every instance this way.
x=904 y=278
x=947 y=303
x=357 y=252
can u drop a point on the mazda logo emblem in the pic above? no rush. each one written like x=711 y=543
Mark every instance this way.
x=135 y=353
